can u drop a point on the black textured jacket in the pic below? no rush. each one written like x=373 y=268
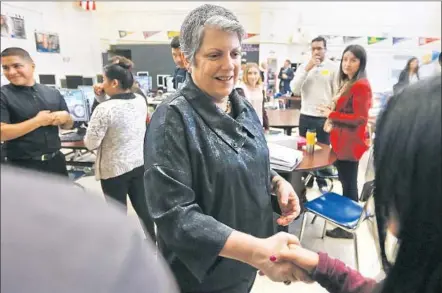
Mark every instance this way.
x=206 y=174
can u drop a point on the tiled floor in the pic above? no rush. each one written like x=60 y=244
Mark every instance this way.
x=341 y=249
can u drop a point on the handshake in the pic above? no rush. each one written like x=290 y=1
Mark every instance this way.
x=289 y=262
x=46 y=118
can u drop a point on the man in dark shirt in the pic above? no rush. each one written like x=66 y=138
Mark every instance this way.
x=285 y=75
x=179 y=76
x=30 y=116
x=47 y=247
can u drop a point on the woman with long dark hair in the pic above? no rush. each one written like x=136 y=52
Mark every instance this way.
x=409 y=75
x=408 y=201
x=349 y=121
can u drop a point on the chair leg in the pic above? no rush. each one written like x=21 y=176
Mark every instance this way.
x=331 y=185
x=355 y=241
x=304 y=220
x=324 y=229
x=314 y=219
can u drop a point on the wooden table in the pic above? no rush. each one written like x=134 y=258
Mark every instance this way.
x=78 y=149
x=317 y=160
x=285 y=119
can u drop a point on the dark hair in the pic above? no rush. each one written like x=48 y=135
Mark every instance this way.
x=288 y=60
x=407 y=66
x=360 y=54
x=120 y=72
x=407 y=158
x=320 y=39
x=175 y=43
x=15 y=51
x=122 y=60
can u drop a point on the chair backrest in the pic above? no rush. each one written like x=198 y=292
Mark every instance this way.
x=366 y=195
x=367 y=191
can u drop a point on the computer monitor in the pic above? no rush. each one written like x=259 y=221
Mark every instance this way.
x=88 y=92
x=169 y=84
x=48 y=79
x=73 y=81
x=145 y=83
x=143 y=73
x=77 y=104
x=88 y=81
x=161 y=80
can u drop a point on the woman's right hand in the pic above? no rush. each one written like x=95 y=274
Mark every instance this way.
x=98 y=89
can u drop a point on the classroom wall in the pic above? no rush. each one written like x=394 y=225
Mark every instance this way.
x=136 y=17
x=80 y=51
x=85 y=35
x=382 y=19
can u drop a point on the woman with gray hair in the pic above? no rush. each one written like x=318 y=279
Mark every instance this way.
x=208 y=178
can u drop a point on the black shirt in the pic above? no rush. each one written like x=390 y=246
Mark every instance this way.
x=179 y=77
x=206 y=174
x=21 y=103
x=58 y=238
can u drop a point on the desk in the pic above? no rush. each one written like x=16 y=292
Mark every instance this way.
x=153 y=102
x=318 y=160
x=78 y=149
x=285 y=119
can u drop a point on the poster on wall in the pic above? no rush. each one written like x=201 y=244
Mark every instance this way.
x=47 y=42
x=404 y=42
x=334 y=40
x=124 y=34
x=5 y=26
x=13 y=27
x=353 y=40
x=172 y=34
x=250 y=47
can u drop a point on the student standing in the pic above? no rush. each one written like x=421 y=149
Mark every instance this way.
x=117 y=129
x=31 y=114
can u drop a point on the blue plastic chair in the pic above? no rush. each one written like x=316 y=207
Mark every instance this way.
x=340 y=211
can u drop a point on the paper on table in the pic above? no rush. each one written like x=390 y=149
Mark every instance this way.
x=284 y=157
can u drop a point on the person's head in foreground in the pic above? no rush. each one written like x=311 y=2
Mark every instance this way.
x=211 y=39
x=58 y=238
x=408 y=199
x=408 y=194
x=18 y=66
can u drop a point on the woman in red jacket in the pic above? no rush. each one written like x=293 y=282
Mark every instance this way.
x=349 y=120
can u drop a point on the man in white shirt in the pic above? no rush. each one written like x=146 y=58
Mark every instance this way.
x=316 y=82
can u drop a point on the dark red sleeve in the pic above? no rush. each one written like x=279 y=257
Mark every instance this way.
x=362 y=95
x=336 y=277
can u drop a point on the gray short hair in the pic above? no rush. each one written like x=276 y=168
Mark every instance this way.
x=207 y=15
